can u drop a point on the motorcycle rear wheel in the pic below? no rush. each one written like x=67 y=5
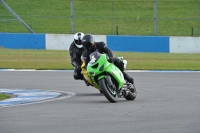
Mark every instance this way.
x=110 y=94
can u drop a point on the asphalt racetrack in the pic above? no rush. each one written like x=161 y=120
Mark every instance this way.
x=167 y=102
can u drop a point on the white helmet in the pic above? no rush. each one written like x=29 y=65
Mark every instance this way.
x=78 y=38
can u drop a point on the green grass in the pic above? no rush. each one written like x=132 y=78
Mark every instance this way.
x=132 y=17
x=4 y=96
x=60 y=60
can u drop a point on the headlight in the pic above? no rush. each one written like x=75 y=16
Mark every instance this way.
x=92 y=73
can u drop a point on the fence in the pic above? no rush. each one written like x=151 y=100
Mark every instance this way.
x=105 y=17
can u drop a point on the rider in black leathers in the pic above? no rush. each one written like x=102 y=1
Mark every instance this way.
x=76 y=49
x=90 y=46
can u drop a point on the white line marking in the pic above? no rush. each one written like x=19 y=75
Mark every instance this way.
x=24 y=97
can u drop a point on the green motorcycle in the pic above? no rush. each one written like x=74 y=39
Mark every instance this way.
x=108 y=78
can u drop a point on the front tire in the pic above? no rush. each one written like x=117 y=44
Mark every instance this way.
x=108 y=92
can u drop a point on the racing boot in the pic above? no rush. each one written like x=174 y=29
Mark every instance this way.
x=130 y=84
x=128 y=78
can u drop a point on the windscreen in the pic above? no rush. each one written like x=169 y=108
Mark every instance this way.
x=94 y=57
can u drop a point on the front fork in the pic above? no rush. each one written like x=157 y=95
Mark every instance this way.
x=123 y=92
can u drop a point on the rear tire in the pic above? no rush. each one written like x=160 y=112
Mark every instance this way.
x=109 y=93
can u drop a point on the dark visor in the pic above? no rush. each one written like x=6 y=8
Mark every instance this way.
x=78 y=42
x=87 y=45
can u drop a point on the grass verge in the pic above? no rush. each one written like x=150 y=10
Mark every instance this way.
x=4 y=96
x=60 y=60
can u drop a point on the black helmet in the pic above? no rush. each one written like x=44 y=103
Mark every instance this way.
x=87 y=41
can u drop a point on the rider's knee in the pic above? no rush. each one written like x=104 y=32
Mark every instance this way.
x=119 y=64
x=77 y=75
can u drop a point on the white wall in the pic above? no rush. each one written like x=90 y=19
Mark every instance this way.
x=63 y=41
x=184 y=45
x=100 y=38
x=58 y=41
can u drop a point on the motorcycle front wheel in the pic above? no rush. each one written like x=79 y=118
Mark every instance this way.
x=109 y=93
